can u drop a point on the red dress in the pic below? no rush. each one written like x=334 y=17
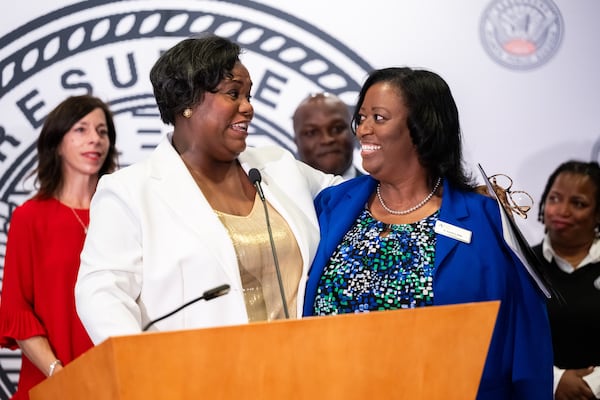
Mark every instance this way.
x=40 y=269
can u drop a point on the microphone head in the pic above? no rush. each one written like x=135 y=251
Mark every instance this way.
x=254 y=176
x=216 y=292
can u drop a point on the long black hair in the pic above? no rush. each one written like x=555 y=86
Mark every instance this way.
x=432 y=120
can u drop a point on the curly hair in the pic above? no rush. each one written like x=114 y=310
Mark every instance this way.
x=192 y=67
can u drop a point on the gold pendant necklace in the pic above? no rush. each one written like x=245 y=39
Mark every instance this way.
x=84 y=226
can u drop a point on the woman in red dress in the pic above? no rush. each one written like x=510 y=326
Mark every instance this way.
x=37 y=310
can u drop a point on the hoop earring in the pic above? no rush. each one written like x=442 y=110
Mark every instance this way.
x=187 y=113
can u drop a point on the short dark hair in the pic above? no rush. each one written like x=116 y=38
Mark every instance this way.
x=432 y=120
x=182 y=75
x=59 y=121
x=590 y=169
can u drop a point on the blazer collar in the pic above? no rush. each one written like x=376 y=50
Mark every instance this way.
x=453 y=211
x=176 y=186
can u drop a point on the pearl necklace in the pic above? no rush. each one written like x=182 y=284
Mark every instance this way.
x=404 y=212
x=85 y=228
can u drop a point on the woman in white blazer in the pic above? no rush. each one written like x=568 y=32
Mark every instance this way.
x=187 y=219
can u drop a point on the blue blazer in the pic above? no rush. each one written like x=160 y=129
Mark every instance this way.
x=519 y=361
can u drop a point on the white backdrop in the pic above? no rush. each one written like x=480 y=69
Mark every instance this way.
x=523 y=123
x=518 y=120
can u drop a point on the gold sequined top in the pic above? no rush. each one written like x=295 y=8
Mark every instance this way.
x=250 y=239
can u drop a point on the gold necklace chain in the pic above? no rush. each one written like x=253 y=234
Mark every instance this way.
x=404 y=212
x=84 y=226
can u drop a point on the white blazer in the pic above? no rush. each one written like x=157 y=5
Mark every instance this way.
x=154 y=243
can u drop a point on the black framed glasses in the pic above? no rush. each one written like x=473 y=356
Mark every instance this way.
x=518 y=201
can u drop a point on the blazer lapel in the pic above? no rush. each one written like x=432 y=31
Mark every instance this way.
x=347 y=208
x=453 y=211
x=284 y=205
x=174 y=184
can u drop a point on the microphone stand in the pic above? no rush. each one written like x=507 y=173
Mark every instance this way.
x=255 y=178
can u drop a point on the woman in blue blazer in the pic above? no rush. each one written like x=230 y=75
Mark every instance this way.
x=415 y=233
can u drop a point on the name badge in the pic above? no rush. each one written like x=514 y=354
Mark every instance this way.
x=452 y=231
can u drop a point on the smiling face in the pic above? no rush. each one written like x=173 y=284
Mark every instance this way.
x=218 y=126
x=570 y=210
x=84 y=147
x=383 y=132
x=322 y=134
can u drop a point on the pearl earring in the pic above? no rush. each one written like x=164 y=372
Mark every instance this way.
x=187 y=112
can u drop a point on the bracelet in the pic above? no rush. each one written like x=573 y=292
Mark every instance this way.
x=53 y=365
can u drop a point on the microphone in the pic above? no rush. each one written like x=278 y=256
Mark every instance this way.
x=208 y=295
x=255 y=178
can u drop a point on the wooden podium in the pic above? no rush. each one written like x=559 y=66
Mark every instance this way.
x=425 y=353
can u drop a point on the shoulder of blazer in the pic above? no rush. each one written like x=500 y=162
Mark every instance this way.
x=259 y=156
x=158 y=164
x=347 y=193
x=457 y=204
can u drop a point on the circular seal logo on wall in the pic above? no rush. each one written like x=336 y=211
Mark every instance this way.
x=107 y=48
x=521 y=34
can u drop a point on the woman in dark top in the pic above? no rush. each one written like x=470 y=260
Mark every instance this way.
x=570 y=250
